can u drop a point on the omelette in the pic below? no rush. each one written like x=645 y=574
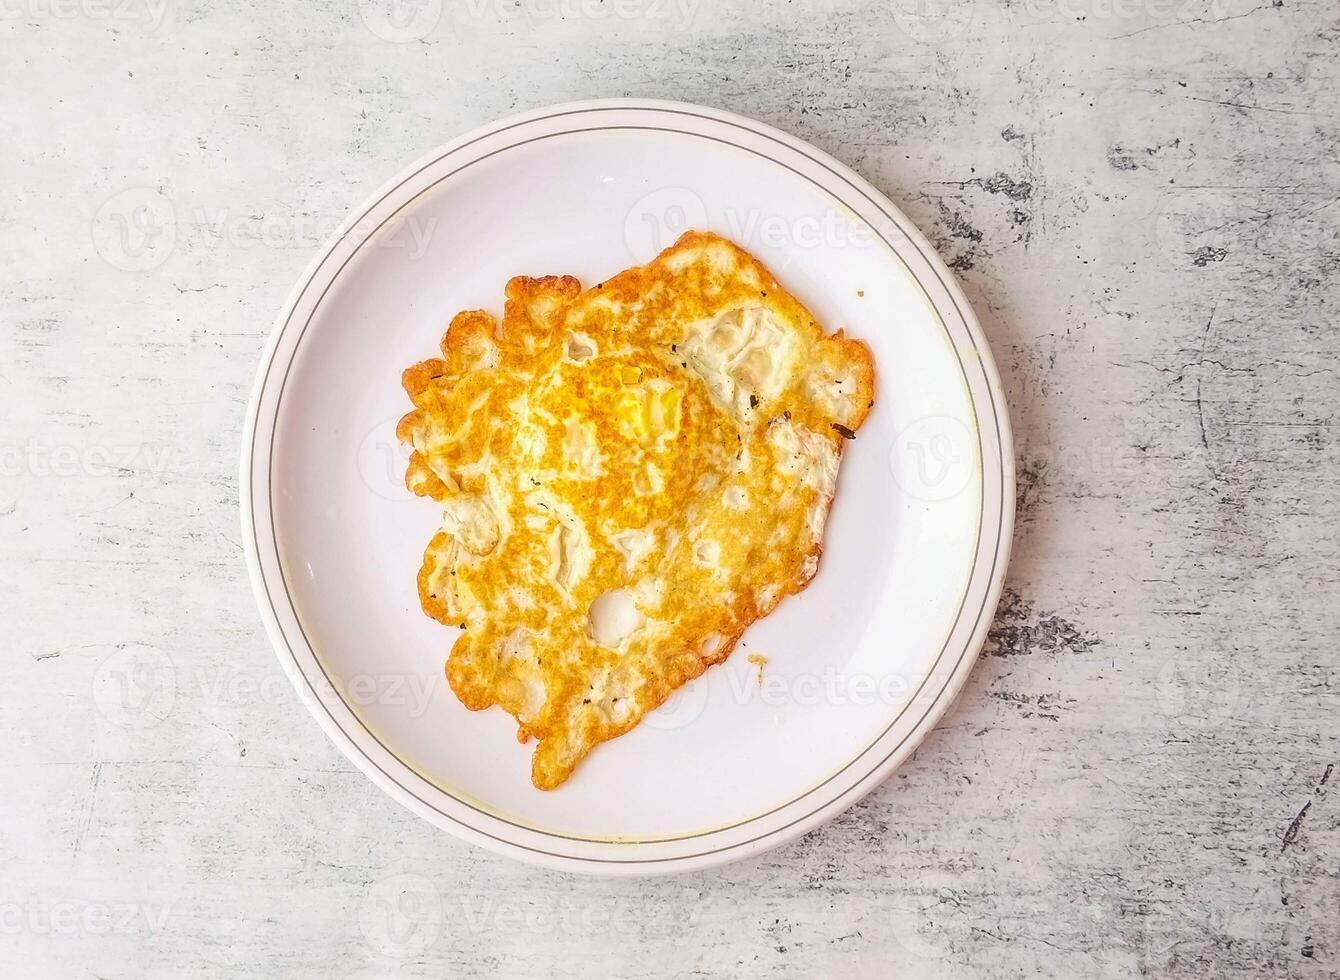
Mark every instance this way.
x=629 y=475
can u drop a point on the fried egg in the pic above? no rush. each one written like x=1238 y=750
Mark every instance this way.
x=629 y=476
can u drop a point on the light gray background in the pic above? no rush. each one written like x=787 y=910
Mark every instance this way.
x=1140 y=197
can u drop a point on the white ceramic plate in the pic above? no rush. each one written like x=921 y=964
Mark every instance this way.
x=859 y=666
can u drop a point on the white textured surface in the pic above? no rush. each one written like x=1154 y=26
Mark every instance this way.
x=1141 y=199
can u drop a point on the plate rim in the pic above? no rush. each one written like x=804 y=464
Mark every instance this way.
x=856 y=789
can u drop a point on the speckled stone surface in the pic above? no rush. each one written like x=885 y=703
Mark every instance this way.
x=1141 y=199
